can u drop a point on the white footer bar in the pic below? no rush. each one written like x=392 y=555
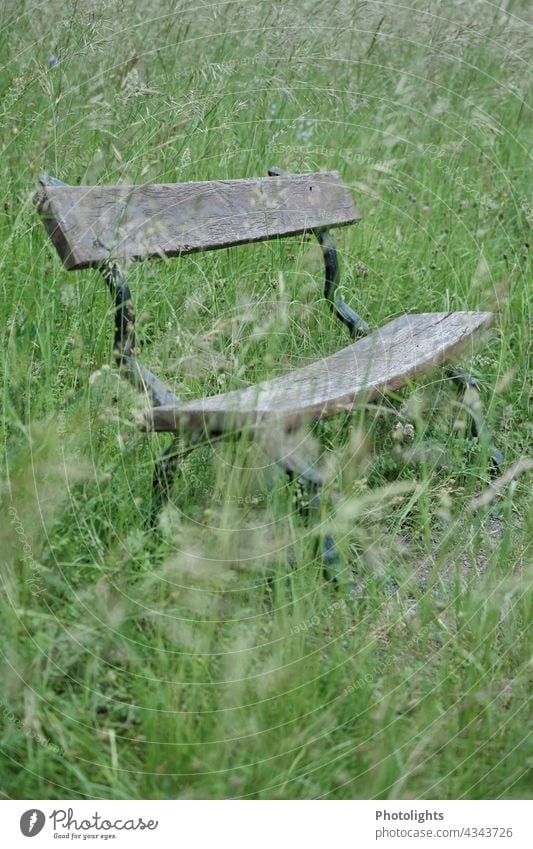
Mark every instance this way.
x=268 y=824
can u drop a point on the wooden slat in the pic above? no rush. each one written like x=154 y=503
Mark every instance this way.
x=384 y=360
x=89 y=224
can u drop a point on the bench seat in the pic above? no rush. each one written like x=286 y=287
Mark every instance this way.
x=384 y=360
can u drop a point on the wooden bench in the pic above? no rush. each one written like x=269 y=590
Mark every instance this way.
x=106 y=227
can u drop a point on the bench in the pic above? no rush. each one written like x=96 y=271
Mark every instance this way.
x=106 y=227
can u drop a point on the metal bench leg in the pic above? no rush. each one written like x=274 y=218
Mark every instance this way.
x=144 y=381
x=124 y=341
x=355 y=324
x=165 y=469
x=309 y=484
x=470 y=392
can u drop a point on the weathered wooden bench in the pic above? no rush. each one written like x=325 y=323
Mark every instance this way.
x=106 y=227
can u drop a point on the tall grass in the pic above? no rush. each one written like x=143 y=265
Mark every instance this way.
x=208 y=657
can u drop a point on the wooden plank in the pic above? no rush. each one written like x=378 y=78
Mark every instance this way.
x=89 y=224
x=385 y=360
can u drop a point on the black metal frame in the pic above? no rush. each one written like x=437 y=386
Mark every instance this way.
x=309 y=482
x=470 y=392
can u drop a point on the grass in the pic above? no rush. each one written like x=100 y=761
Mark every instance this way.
x=208 y=658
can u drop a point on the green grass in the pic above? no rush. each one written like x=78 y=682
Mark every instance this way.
x=209 y=658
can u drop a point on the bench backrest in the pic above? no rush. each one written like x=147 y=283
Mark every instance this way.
x=91 y=224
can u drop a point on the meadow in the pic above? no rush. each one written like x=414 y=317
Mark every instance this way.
x=207 y=657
